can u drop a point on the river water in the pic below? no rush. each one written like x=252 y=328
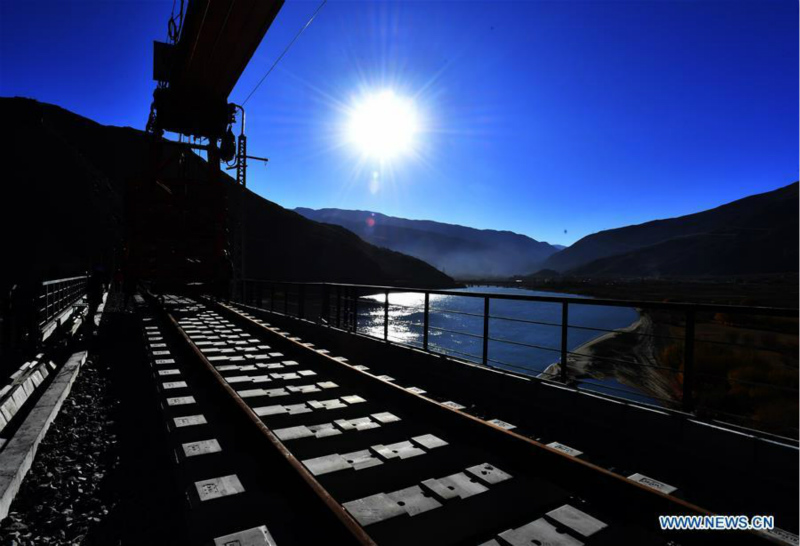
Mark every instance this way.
x=456 y=328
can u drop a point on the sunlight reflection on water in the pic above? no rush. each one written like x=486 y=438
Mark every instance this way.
x=456 y=326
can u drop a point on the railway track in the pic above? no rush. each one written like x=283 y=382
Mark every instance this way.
x=279 y=441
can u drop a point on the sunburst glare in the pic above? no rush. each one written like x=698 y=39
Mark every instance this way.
x=383 y=125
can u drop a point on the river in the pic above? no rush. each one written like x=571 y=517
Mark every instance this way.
x=456 y=328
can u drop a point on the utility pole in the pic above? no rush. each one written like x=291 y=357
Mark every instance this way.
x=239 y=251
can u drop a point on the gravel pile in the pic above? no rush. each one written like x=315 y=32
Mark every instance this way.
x=69 y=490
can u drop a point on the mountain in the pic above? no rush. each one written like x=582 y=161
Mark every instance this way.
x=754 y=235
x=311 y=251
x=68 y=179
x=463 y=252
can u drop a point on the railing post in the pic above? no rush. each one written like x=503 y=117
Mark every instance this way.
x=301 y=304
x=286 y=299
x=485 y=330
x=426 y=320
x=326 y=305
x=355 y=310
x=386 y=316
x=338 y=306
x=688 y=362
x=347 y=316
x=272 y=297
x=564 y=336
x=260 y=295
x=347 y=320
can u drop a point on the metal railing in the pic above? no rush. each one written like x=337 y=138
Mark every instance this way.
x=30 y=317
x=680 y=334
x=58 y=295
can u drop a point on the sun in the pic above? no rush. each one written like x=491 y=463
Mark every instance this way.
x=383 y=125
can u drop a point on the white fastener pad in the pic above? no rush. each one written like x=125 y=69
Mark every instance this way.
x=385 y=417
x=373 y=509
x=489 y=474
x=575 y=519
x=429 y=441
x=359 y=423
x=293 y=433
x=257 y=536
x=455 y=485
x=326 y=464
x=652 y=484
x=502 y=424
x=180 y=400
x=538 y=532
x=190 y=421
x=324 y=430
x=414 y=500
x=203 y=447
x=404 y=450
x=361 y=459
x=216 y=488
x=249 y=393
x=571 y=451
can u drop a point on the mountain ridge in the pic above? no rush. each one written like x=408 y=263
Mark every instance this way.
x=754 y=234
x=462 y=251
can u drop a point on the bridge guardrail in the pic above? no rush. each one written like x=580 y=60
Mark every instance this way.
x=738 y=364
x=58 y=295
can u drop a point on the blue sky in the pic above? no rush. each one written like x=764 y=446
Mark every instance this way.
x=539 y=117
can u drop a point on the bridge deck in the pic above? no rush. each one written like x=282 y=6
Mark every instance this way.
x=233 y=429
x=391 y=464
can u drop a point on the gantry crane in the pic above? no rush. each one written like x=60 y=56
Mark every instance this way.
x=180 y=227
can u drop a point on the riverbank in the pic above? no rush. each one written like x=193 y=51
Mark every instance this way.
x=627 y=356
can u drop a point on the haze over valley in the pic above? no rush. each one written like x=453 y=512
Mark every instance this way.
x=755 y=235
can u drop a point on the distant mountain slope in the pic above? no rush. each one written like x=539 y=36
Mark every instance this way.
x=757 y=234
x=462 y=252
x=708 y=254
x=66 y=176
x=309 y=251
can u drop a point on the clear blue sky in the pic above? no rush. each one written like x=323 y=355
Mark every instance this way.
x=540 y=116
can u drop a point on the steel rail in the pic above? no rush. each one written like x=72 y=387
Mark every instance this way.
x=341 y=514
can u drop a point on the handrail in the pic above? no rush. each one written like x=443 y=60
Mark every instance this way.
x=577 y=300
x=57 y=295
x=56 y=281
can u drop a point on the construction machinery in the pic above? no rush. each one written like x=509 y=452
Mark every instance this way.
x=185 y=223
